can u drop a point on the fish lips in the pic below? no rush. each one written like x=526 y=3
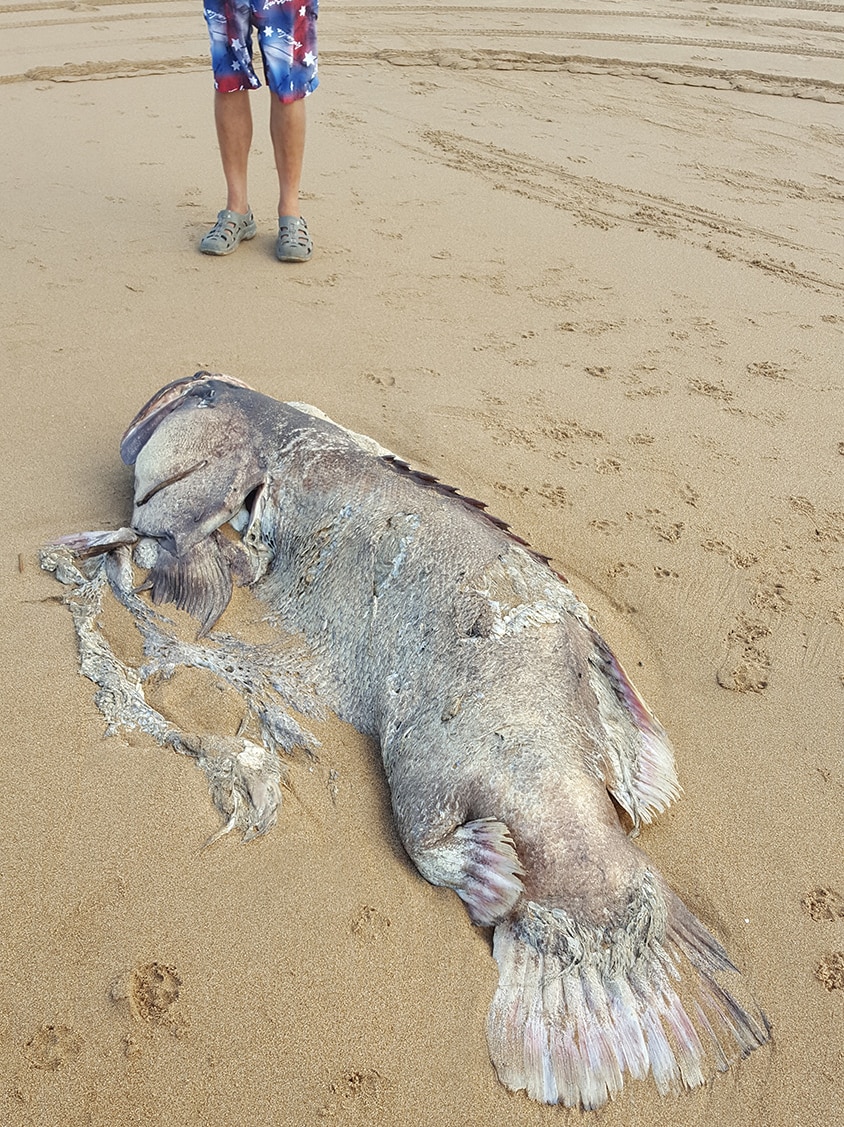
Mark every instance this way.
x=201 y=385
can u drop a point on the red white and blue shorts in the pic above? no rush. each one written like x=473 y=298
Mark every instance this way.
x=286 y=31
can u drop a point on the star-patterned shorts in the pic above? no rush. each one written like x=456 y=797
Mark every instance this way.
x=286 y=31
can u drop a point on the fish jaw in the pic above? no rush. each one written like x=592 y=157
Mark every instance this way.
x=167 y=399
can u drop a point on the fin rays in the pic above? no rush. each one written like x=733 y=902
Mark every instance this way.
x=637 y=763
x=569 y=1025
x=199 y=582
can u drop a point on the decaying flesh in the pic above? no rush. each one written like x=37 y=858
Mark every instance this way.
x=505 y=723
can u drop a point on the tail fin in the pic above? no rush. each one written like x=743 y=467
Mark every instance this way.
x=578 y=1008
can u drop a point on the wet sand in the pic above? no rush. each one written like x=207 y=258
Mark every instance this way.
x=585 y=264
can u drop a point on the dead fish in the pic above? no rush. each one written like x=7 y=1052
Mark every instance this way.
x=509 y=732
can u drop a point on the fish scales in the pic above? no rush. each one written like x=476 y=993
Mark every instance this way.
x=506 y=726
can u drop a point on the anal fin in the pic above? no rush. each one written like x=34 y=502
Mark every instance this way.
x=479 y=861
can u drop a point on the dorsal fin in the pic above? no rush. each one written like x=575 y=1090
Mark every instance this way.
x=431 y=482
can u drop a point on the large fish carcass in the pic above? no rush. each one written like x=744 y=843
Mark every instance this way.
x=506 y=725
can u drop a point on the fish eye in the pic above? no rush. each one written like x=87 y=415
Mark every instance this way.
x=206 y=394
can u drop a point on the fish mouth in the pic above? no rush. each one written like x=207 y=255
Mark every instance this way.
x=200 y=385
x=179 y=475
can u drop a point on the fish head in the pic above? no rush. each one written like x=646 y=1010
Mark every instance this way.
x=197 y=455
x=199 y=448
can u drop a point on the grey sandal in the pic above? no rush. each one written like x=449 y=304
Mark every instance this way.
x=230 y=229
x=293 y=244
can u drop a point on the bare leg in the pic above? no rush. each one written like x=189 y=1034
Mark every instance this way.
x=233 y=117
x=287 y=130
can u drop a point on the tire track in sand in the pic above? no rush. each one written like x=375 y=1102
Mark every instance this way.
x=793 y=57
x=606 y=204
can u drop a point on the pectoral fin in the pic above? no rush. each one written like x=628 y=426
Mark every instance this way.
x=198 y=582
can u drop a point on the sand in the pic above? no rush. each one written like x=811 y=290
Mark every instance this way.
x=584 y=263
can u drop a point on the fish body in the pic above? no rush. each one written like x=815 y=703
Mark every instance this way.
x=508 y=730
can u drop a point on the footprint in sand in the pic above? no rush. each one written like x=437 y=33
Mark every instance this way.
x=152 y=991
x=636 y=388
x=717 y=390
x=555 y=495
x=53 y=1046
x=608 y=465
x=689 y=495
x=357 y=1097
x=826 y=905
x=623 y=567
x=385 y=379
x=747 y=666
x=511 y=490
x=823 y=904
x=370 y=924
x=737 y=557
x=830 y=971
x=670 y=531
x=155 y=988
x=768 y=369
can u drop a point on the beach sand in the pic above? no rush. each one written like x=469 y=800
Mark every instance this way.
x=584 y=264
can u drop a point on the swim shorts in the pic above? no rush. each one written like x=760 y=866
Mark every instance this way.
x=286 y=31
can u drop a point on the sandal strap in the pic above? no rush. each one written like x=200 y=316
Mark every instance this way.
x=230 y=223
